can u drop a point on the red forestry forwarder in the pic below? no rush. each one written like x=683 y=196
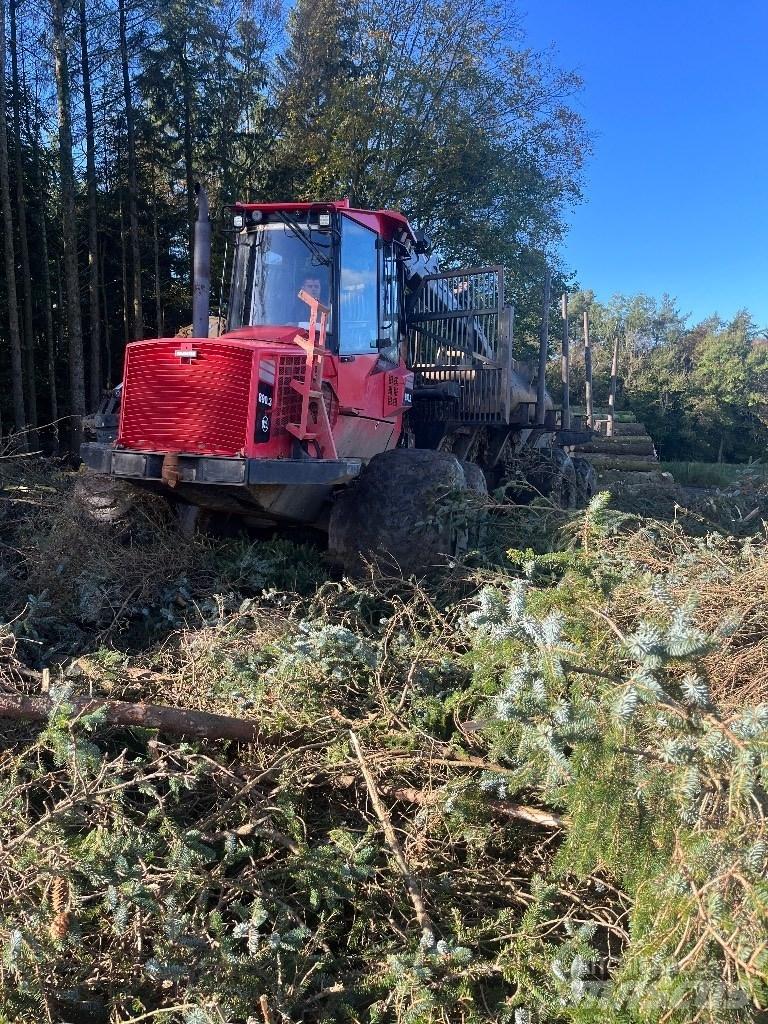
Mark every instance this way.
x=354 y=382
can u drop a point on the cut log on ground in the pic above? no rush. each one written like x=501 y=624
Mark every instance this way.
x=175 y=721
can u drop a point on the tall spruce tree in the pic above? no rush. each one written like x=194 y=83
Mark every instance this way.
x=69 y=224
x=46 y=295
x=94 y=319
x=17 y=373
x=137 y=329
x=30 y=383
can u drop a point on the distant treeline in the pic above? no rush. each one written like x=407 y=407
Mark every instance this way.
x=702 y=391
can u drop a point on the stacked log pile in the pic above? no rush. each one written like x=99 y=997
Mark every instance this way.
x=628 y=451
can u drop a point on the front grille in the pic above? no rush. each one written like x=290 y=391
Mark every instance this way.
x=186 y=404
x=288 y=400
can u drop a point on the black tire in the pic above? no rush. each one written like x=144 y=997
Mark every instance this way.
x=586 y=480
x=553 y=476
x=402 y=510
x=474 y=477
x=102 y=498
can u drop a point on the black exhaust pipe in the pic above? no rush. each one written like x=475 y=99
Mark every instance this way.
x=201 y=267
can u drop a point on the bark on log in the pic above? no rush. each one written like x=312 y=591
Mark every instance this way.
x=205 y=725
x=630 y=463
x=618 y=447
x=628 y=429
x=176 y=721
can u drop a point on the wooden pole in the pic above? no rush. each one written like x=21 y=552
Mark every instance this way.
x=565 y=365
x=612 y=392
x=588 y=370
x=543 y=352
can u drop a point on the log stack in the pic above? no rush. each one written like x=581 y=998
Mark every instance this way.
x=630 y=450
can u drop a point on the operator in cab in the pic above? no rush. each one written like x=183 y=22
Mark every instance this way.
x=312 y=285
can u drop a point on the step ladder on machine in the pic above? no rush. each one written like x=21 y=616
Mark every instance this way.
x=314 y=426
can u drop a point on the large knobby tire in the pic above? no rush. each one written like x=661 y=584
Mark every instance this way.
x=474 y=478
x=402 y=510
x=102 y=498
x=569 y=487
x=586 y=480
x=551 y=474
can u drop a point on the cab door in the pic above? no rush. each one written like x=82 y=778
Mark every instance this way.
x=357 y=315
x=362 y=429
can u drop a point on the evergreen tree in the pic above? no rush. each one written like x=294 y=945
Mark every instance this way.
x=69 y=222
x=438 y=110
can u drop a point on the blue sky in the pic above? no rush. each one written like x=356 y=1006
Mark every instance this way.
x=676 y=193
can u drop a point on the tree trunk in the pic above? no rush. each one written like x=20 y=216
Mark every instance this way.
x=47 y=298
x=133 y=216
x=21 y=207
x=107 y=338
x=127 y=330
x=176 y=721
x=17 y=376
x=69 y=226
x=93 y=224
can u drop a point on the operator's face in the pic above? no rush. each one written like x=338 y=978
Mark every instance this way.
x=312 y=286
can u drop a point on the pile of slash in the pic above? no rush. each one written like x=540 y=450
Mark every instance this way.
x=235 y=786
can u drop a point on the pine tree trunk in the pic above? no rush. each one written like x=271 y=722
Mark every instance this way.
x=107 y=338
x=69 y=226
x=47 y=298
x=21 y=208
x=127 y=329
x=17 y=376
x=93 y=224
x=133 y=216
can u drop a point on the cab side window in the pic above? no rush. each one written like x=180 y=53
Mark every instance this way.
x=358 y=290
x=389 y=295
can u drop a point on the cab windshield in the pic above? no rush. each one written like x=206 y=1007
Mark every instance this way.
x=273 y=263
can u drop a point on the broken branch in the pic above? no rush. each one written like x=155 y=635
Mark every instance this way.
x=411 y=882
x=499 y=808
x=176 y=721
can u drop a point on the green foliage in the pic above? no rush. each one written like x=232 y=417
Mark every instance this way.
x=489 y=179
x=661 y=792
x=580 y=812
